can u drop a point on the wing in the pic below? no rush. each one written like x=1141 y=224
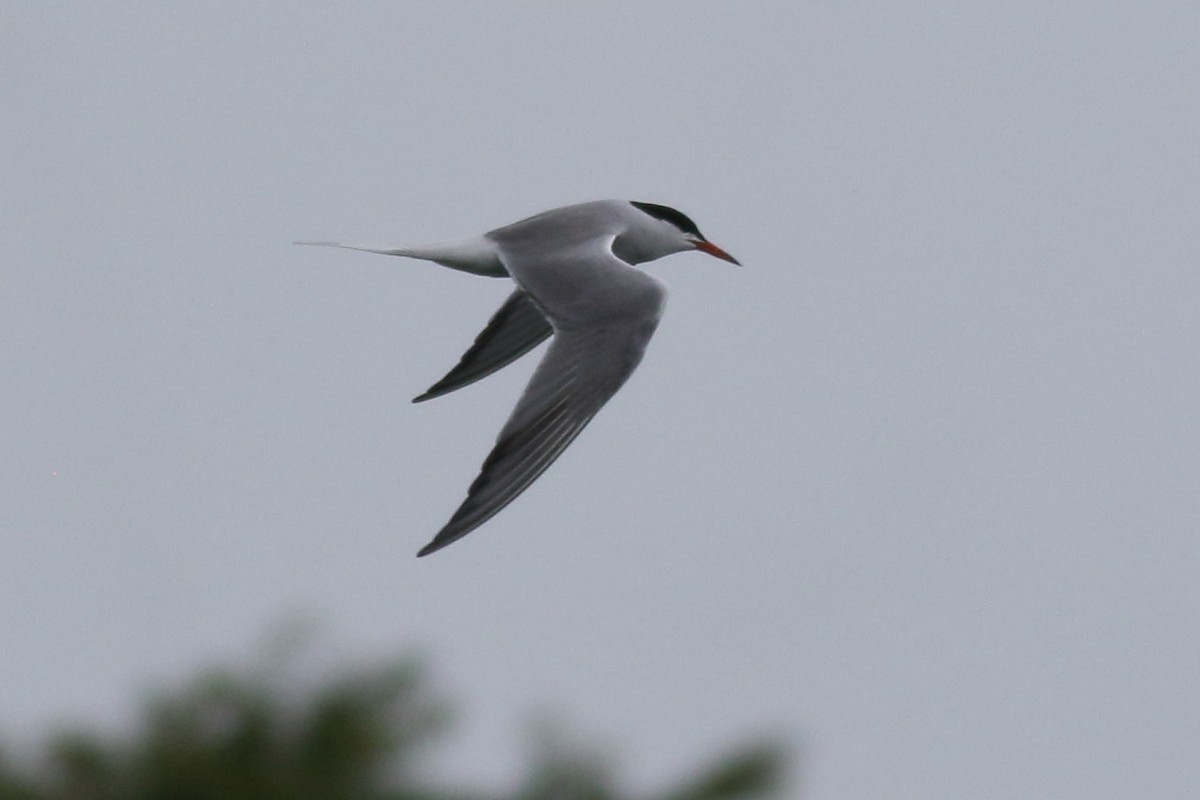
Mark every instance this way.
x=591 y=356
x=513 y=331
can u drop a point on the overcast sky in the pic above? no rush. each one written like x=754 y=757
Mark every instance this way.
x=918 y=487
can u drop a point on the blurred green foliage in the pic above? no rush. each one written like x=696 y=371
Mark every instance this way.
x=261 y=734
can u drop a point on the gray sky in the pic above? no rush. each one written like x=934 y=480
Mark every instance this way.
x=919 y=486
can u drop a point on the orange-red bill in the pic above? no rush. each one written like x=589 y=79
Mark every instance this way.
x=710 y=248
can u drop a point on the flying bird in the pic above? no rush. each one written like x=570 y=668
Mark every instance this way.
x=576 y=281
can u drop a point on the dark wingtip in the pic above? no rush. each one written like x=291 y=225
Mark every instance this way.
x=438 y=542
x=444 y=386
x=448 y=535
x=432 y=547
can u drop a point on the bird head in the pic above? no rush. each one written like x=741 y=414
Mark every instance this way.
x=662 y=230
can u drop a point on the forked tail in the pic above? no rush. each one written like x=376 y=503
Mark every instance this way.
x=476 y=254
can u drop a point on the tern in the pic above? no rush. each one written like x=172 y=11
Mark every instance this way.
x=576 y=281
